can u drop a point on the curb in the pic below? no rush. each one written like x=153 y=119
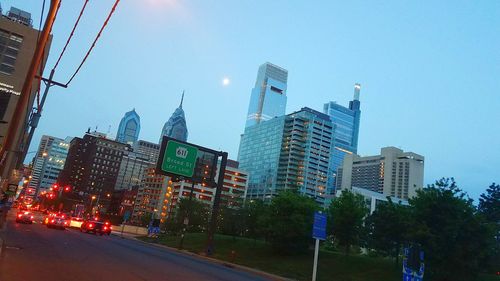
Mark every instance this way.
x=215 y=261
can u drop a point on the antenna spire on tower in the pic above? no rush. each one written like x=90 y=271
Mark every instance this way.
x=182 y=99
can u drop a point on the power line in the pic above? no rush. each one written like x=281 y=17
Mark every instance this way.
x=95 y=41
x=71 y=35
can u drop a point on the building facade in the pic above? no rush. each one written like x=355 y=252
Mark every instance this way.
x=392 y=173
x=346 y=125
x=158 y=196
x=129 y=128
x=92 y=167
x=292 y=152
x=143 y=155
x=176 y=126
x=49 y=162
x=18 y=41
x=268 y=97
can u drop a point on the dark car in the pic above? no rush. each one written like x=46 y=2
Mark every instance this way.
x=96 y=227
x=57 y=221
x=24 y=217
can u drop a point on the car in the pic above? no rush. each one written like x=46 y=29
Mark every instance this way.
x=24 y=217
x=58 y=221
x=96 y=227
x=48 y=217
x=76 y=222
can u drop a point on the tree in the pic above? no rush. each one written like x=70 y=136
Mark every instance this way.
x=197 y=212
x=253 y=215
x=345 y=216
x=388 y=228
x=289 y=222
x=452 y=235
x=489 y=204
x=489 y=207
x=231 y=221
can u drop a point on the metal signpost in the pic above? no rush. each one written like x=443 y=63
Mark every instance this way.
x=319 y=233
x=181 y=160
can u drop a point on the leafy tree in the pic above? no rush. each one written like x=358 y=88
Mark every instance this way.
x=231 y=221
x=197 y=212
x=289 y=222
x=489 y=203
x=254 y=214
x=388 y=228
x=452 y=235
x=346 y=214
x=489 y=207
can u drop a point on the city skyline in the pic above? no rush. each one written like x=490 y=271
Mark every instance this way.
x=409 y=100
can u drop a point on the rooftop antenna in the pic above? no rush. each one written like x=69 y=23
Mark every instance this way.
x=182 y=99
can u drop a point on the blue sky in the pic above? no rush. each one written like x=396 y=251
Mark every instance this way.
x=429 y=71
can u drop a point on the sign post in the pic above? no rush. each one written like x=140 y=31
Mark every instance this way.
x=319 y=233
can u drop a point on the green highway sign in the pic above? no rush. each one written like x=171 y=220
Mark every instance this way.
x=179 y=159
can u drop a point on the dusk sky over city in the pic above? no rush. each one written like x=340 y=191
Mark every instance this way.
x=428 y=72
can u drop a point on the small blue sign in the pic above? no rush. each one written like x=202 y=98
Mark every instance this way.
x=126 y=215
x=319 y=226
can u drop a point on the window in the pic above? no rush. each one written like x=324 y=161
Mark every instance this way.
x=9 y=49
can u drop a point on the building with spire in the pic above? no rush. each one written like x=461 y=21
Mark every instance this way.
x=176 y=126
x=129 y=128
x=268 y=98
x=346 y=129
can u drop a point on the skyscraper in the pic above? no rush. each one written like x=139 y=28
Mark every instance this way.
x=48 y=162
x=129 y=128
x=291 y=152
x=346 y=127
x=176 y=126
x=268 y=98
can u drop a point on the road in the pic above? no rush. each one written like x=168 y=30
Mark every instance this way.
x=35 y=252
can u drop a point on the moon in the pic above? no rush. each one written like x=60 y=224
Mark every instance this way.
x=226 y=81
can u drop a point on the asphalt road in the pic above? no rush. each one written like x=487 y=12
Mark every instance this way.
x=35 y=252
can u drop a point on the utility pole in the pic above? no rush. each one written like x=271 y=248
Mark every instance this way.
x=35 y=117
x=8 y=151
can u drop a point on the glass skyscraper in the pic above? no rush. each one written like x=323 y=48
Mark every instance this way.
x=49 y=162
x=291 y=152
x=176 y=126
x=268 y=98
x=129 y=128
x=346 y=127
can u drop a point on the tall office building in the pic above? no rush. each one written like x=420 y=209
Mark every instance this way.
x=92 y=167
x=129 y=128
x=268 y=98
x=346 y=125
x=49 y=162
x=18 y=41
x=148 y=149
x=291 y=152
x=176 y=126
x=392 y=173
x=134 y=163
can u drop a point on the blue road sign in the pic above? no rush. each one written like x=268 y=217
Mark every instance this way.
x=126 y=215
x=319 y=226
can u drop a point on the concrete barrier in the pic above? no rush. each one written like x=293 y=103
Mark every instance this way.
x=131 y=229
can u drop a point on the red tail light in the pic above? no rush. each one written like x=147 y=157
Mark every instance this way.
x=91 y=225
x=52 y=221
x=105 y=228
x=65 y=223
x=32 y=217
x=20 y=215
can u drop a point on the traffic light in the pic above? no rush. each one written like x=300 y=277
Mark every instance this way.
x=67 y=189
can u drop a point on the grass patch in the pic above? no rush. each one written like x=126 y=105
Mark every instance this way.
x=257 y=254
